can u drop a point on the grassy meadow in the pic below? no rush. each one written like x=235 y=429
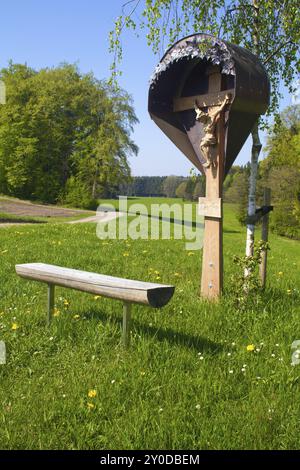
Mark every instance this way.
x=188 y=380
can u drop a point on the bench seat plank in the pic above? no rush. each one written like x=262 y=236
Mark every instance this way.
x=152 y=294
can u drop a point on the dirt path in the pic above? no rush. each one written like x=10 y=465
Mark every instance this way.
x=28 y=209
x=101 y=216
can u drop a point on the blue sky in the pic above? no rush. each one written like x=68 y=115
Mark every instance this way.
x=46 y=33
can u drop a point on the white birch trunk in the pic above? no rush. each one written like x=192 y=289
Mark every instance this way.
x=256 y=148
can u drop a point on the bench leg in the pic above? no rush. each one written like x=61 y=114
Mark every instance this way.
x=126 y=323
x=51 y=288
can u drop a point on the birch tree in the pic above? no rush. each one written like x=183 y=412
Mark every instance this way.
x=268 y=28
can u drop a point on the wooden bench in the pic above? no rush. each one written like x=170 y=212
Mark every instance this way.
x=127 y=290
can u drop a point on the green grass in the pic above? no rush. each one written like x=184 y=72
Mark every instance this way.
x=7 y=218
x=231 y=222
x=174 y=387
x=145 y=201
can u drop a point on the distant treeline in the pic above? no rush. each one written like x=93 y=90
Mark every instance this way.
x=165 y=186
x=144 y=186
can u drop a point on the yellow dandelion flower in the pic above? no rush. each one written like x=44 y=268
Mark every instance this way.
x=125 y=254
x=56 y=312
x=143 y=373
x=280 y=273
x=156 y=272
x=250 y=347
x=14 y=326
x=177 y=274
x=289 y=291
x=90 y=406
x=92 y=393
x=66 y=303
x=157 y=278
x=76 y=317
x=96 y=297
x=191 y=253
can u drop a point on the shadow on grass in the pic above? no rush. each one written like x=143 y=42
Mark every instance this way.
x=8 y=220
x=161 y=218
x=186 y=340
x=178 y=338
x=170 y=220
x=231 y=231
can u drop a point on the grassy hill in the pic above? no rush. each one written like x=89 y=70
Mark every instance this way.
x=187 y=381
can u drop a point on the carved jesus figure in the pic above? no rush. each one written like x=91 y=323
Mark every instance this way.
x=209 y=121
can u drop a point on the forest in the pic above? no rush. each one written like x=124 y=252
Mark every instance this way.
x=65 y=137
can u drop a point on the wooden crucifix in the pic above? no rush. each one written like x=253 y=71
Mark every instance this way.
x=213 y=149
x=188 y=98
x=210 y=112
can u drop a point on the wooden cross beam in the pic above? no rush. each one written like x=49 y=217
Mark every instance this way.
x=203 y=101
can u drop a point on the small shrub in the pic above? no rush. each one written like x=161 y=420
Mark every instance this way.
x=246 y=290
x=77 y=194
x=284 y=221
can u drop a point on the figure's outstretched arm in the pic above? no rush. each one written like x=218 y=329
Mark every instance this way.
x=215 y=114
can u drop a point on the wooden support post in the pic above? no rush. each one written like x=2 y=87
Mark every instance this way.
x=212 y=263
x=51 y=289
x=126 y=324
x=264 y=237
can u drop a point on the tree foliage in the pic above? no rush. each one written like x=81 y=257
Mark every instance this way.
x=60 y=128
x=180 y=190
x=268 y=28
x=283 y=143
x=145 y=186
x=237 y=191
x=170 y=185
x=279 y=171
x=199 y=189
